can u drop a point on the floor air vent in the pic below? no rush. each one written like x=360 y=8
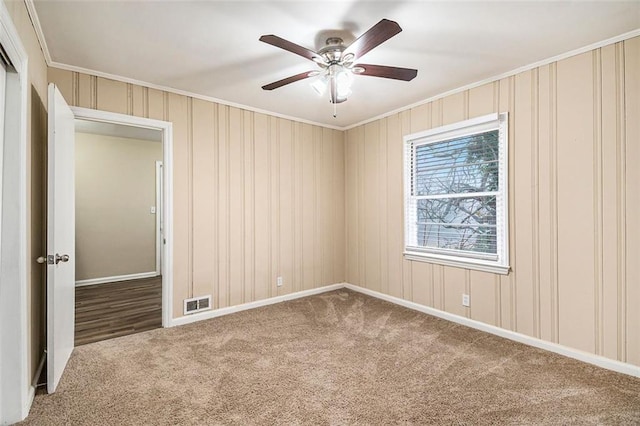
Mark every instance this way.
x=197 y=304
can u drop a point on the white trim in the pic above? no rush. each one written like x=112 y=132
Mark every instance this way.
x=159 y=217
x=252 y=305
x=547 y=61
x=187 y=93
x=458 y=262
x=15 y=389
x=3 y=140
x=40 y=35
x=167 y=212
x=117 y=118
x=454 y=130
x=524 y=68
x=587 y=357
x=35 y=20
x=579 y=355
x=3 y=98
x=116 y=278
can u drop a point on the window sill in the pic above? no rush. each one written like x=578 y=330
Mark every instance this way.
x=458 y=262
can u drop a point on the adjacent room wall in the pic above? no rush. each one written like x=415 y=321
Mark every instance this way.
x=574 y=202
x=255 y=196
x=115 y=190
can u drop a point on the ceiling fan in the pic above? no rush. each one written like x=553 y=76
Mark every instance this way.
x=338 y=63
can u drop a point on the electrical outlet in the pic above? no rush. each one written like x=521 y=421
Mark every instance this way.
x=465 y=300
x=279 y=281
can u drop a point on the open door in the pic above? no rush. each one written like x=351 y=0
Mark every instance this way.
x=60 y=237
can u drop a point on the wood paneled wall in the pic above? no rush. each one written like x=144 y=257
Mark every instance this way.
x=258 y=196
x=574 y=204
x=255 y=196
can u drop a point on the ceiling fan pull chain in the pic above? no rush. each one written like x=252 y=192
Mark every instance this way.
x=335 y=110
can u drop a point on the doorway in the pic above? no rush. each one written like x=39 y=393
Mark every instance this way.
x=61 y=223
x=118 y=231
x=124 y=211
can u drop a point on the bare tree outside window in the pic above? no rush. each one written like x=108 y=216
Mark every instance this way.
x=455 y=183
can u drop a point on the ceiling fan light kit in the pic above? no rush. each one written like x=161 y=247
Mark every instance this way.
x=337 y=62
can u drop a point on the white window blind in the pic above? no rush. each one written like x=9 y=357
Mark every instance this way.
x=455 y=194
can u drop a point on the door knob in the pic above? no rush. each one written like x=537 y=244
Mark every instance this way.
x=63 y=258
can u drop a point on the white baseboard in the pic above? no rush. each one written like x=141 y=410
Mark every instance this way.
x=116 y=278
x=600 y=361
x=252 y=305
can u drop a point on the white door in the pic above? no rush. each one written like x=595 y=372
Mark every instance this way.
x=3 y=94
x=60 y=237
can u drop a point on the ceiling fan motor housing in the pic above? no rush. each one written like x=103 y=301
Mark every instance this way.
x=332 y=52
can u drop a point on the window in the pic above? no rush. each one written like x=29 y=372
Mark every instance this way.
x=456 y=195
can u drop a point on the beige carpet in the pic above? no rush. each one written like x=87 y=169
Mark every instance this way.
x=336 y=358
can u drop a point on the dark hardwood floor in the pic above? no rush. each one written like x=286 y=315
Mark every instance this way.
x=105 y=311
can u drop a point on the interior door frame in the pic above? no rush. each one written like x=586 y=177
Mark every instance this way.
x=16 y=391
x=167 y=197
x=159 y=218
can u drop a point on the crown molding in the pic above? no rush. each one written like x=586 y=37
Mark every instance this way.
x=33 y=14
x=43 y=44
x=194 y=95
x=593 y=46
x=35 y=21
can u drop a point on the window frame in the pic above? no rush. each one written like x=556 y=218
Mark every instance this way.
x=498 y=263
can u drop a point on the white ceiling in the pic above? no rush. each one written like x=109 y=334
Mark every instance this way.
x=211 y=48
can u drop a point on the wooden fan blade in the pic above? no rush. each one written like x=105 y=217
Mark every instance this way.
x=288 y=80
x=375 y=36
x=290 y=47
x=406 y=74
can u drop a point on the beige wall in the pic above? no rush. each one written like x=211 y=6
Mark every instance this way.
x=228 y=159
x=115 y=189
x=36 y=167
x=258 y=196
x=255 y=196
x=574 y=189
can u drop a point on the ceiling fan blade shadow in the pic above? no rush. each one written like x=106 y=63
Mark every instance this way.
x=396 y=73
x=276 y=41
x=230 y=74
x=375 y=36
x=288 y=80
